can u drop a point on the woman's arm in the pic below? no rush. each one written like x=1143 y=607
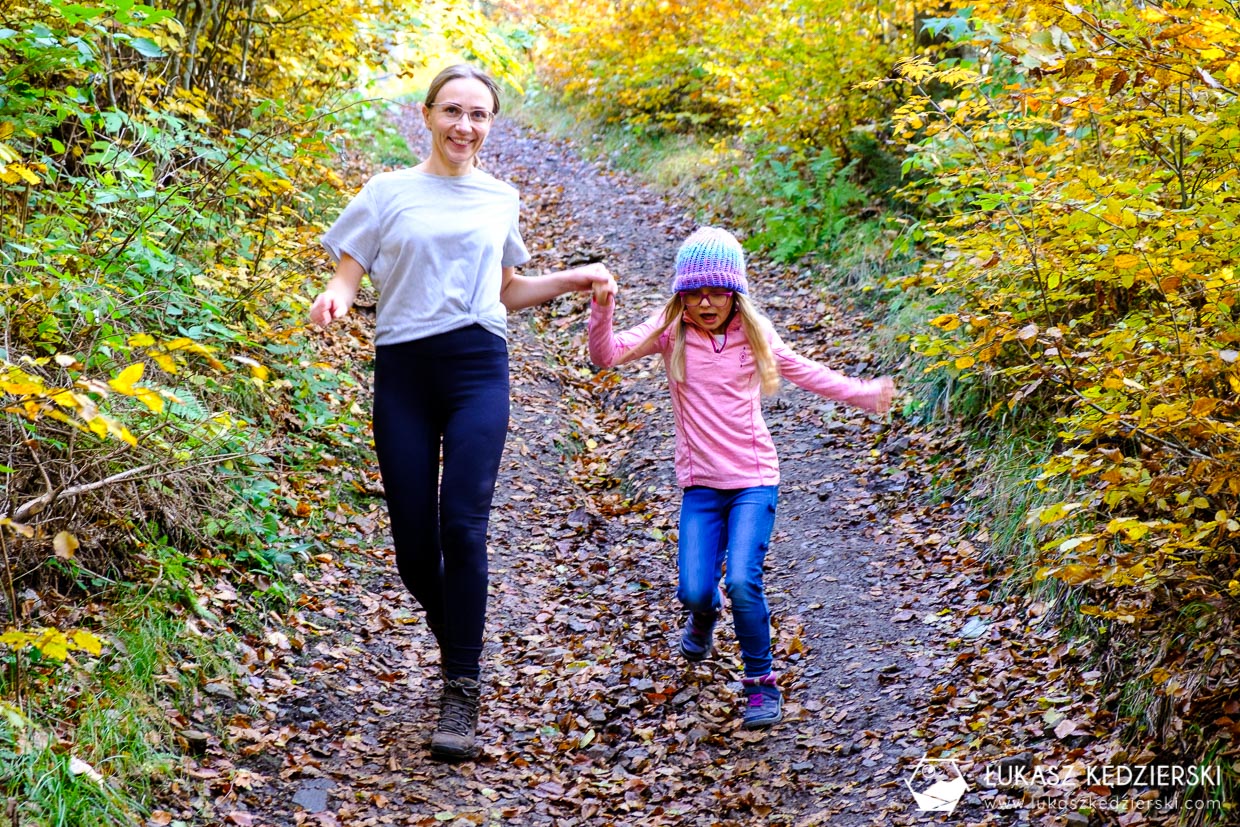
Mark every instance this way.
x=338 y=296
x=520 y=292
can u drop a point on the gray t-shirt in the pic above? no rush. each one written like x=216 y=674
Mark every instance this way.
x=434 y=247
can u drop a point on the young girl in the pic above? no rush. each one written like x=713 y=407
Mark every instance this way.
x=721 y=355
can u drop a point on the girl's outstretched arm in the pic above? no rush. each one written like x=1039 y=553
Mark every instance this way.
x=871 y=394
x=608 y=348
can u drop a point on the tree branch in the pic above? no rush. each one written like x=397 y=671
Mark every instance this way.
x=53 y=495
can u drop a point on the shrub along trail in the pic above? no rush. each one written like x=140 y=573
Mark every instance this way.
x=588 y=715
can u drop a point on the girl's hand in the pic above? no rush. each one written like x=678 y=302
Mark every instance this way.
x=604 y=290
x=886 y=391
x=330 y=305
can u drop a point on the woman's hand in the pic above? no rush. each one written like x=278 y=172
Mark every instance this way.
x=587 y=276
x=338 y=296
x=331 y=304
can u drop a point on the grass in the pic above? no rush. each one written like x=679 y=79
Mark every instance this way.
x=93 y=740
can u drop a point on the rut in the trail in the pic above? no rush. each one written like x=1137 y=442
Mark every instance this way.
x=588 y=716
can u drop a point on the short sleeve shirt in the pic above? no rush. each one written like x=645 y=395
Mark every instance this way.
x=434 y=247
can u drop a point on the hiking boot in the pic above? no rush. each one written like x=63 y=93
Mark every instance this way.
x=458 y=718
x=764 y=704
x=697 y=640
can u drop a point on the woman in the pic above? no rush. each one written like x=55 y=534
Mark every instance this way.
x=440 y=241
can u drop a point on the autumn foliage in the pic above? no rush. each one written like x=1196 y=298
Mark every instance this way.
x=771 y=87
x=164 y=171
x=1081 y=174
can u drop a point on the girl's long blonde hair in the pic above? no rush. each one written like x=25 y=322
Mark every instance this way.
x=755 y=326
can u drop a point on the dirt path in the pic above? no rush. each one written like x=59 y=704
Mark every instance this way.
x=588 y=715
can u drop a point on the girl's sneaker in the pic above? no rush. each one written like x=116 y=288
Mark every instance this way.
x=698 y=638
x=764 y=704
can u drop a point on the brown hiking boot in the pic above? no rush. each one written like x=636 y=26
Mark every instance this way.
x=458 y=718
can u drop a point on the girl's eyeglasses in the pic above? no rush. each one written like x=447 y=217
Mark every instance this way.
x=693 y=298
x=453 y=112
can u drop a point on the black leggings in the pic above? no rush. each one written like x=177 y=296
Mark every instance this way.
x=449 y=390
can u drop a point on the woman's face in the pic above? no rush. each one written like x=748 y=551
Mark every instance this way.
x=459 y=120
x=708 y=308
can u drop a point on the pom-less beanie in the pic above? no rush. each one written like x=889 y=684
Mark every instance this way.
x=711 y=257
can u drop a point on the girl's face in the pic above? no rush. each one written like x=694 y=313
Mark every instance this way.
x=459 y=120
x=708 y=308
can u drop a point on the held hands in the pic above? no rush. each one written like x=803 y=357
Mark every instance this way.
x=604 y=290
x=594 y=277
x=330 y=305
x=886 y=390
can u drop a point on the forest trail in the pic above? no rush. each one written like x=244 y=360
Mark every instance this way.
x=588 y=715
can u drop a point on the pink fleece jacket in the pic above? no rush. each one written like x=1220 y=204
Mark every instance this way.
x=721 y=439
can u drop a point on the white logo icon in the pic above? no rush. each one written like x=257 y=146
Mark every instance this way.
x=937 y=785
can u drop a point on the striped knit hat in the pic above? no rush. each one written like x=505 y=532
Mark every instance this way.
x=711 y=257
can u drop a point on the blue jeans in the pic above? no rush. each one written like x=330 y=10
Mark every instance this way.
x=731 y=527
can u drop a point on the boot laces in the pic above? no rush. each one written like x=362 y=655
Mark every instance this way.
x=460 y=709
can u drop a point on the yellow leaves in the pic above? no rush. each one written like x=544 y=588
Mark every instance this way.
x=124 y=383
x=18 y=383
x=1132 y=528
x=190 y=346
x=20 y=529
x=1127 y=261
x=12 y=169
x=86 y=642
x=1054 y=513
x=1074 y=574
x=65 y=545
x=917 y=70
x=1203 y=406
x=257 y=371
x=52 y=643
x=1168 y=413
x=14 y=173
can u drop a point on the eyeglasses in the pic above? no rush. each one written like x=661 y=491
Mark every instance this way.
x=454 y=112
x=693 y=298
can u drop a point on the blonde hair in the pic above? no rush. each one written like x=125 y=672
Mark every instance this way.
x=755 y=326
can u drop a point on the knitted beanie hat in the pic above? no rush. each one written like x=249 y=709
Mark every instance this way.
x=711 y=257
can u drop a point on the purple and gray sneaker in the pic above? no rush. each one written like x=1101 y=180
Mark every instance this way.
x=697 y=640
x=764 y=705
